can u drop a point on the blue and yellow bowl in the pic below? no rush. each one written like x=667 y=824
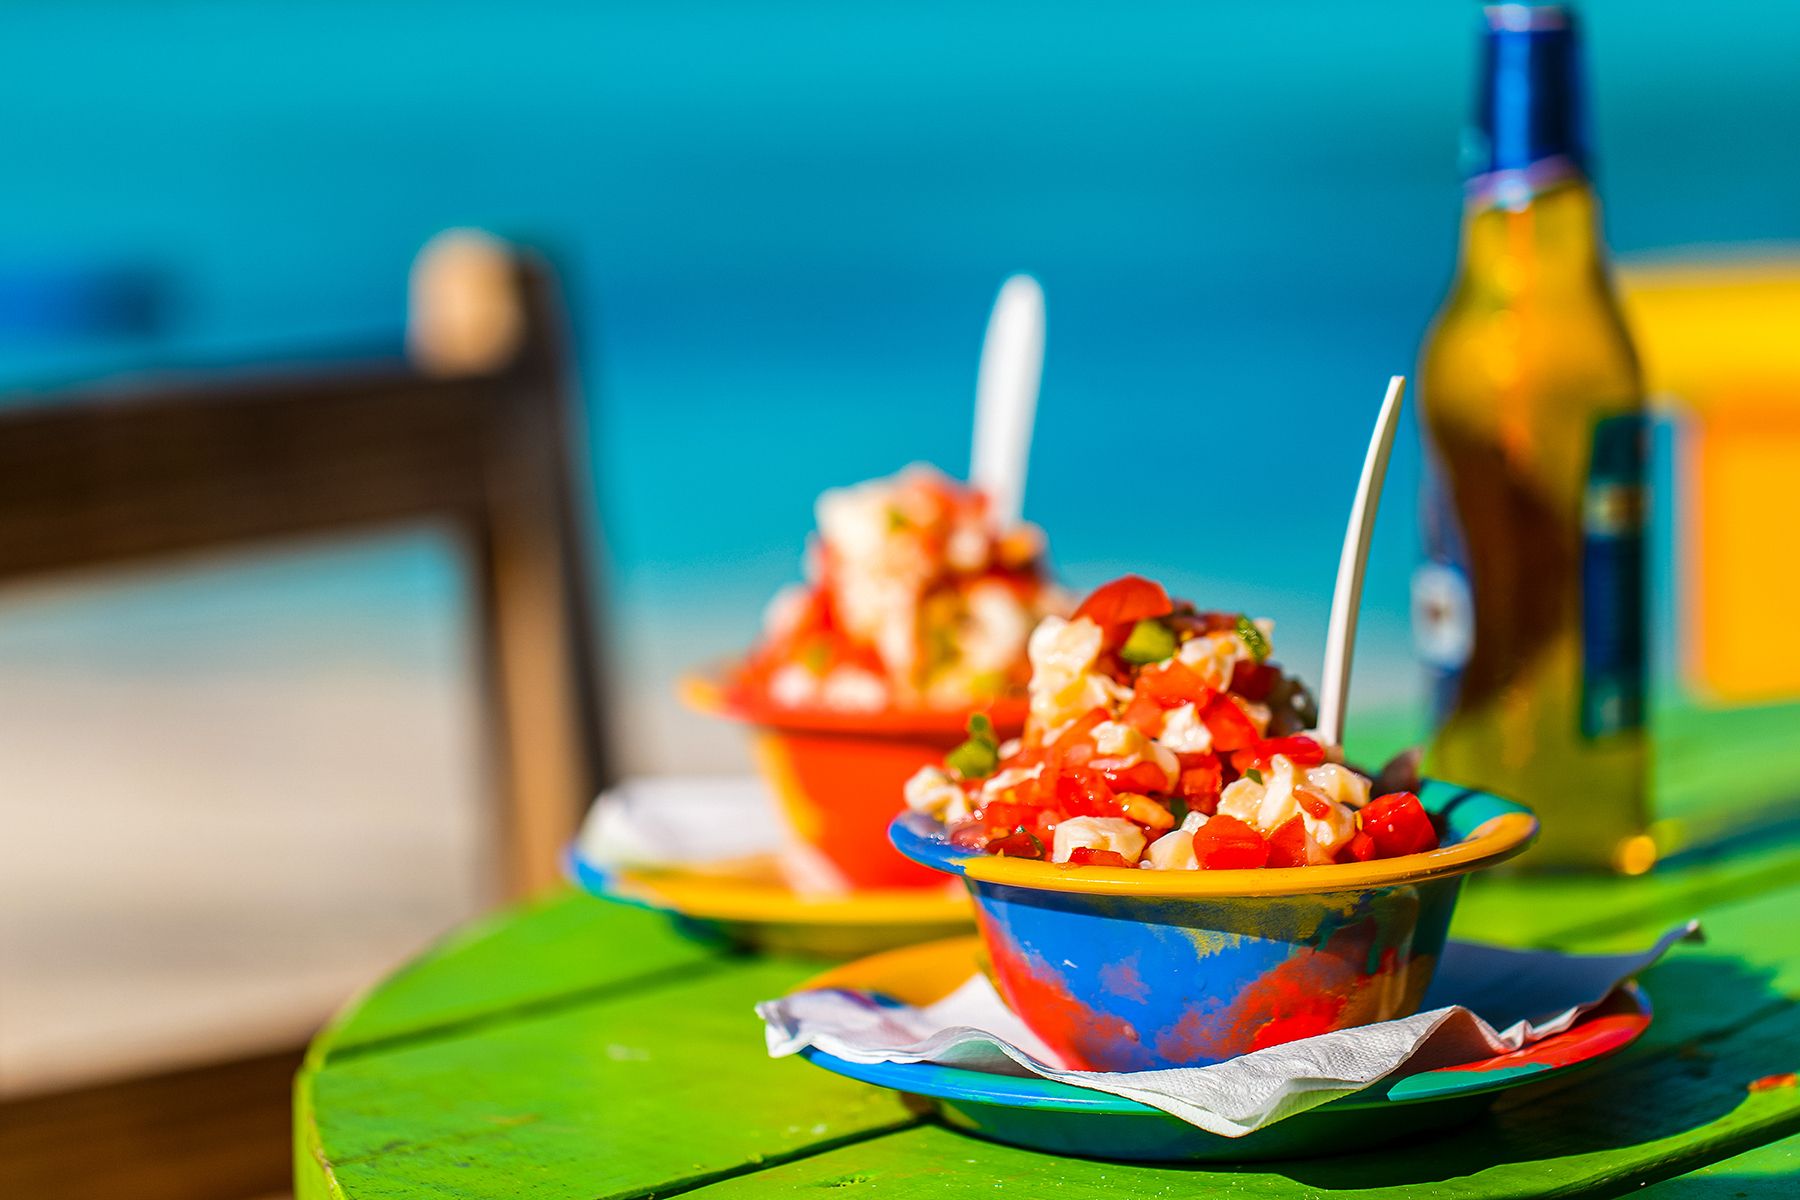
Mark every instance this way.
x=1133 y=970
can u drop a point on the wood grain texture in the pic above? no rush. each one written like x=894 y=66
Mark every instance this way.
x=1770 y=1172
x=654 y=1090
x=209 y=1133
x=555 y=1103
x=173 y=465
x=557 y=950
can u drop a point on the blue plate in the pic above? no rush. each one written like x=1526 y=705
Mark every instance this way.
x=1042 y=1114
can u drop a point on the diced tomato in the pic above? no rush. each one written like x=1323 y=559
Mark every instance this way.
x=1398 y=825
x=1085 y=794
x=1302 y=750
x=1087 y=856
x=1023 y=844
x=1201 y=778
x=1288 y=844
x=1228 y=844
x=1144 y=714
x=1002 y=817
x=1145 y=777
x=1173 y=684
x=1253 y=680
x=1230 y=726
x=1316 y=806
x=1360 y=848
x=1124 y=602
x=1075 y=745
x=969 y=835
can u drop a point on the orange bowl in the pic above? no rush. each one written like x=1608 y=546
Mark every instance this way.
x=839 y=776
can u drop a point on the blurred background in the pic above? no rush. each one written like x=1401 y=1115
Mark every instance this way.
x=236 y=785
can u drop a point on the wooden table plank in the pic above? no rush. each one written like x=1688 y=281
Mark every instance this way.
x=585 y=1049
x=1569 y=910
x=1605 y=1136
x=1676 y=1101
x=648 y=1091
x=1769 y=1172
x=566 y=946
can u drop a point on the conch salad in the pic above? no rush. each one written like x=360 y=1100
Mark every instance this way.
x=913 y=599
x=1164 y=738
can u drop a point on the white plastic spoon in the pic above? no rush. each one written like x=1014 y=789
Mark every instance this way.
x=1346 y=598
x=1006 y=392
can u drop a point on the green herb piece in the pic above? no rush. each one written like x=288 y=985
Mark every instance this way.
x=1253 y=775
x=1252 y=637
x=1150 y=641
x=978 y=757
x=1178 y=808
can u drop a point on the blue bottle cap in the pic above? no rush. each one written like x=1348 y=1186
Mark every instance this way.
x=1530 y=110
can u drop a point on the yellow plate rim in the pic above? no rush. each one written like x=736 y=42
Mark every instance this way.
x=714 y=898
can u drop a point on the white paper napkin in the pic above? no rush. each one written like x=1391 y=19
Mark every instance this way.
x=1483 y=1001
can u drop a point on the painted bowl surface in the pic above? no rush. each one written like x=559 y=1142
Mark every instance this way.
x=839 y=776
x=1044 y=1114
x=1133 y=970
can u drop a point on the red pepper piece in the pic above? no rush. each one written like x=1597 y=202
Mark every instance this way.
x=1001 y=817
x=1144 y=714
x=1085 y=794
x=1087 y=856
x=969 y=835
x=1300 y=749
x=1398 y=824
x=1228 y=844
x=1172 y=684
x=1317 y=807
x=1253 y=680
x=1360 y=848
x=1023 y=844
x=1141 y=777
x=1287 y=845
x=1201 y=779
x=1230 y=726
x=1124 y=602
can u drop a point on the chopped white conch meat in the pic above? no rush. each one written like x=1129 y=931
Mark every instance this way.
x=1270 y=804
x=1337 y=782
x=1184 y=732
x=1098 y=833
x=793 y=686
x=1063 y=685
x=997 y=785
x=932 y=791
x=1174 y=850
x=853 y=689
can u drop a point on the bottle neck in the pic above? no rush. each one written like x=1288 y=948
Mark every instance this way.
x=1528 y=199
x=1547 y=241
x=1530 y=105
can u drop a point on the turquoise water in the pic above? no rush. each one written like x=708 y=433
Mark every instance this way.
x=782 y=226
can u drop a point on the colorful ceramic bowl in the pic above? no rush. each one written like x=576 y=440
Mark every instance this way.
x=839 y=776
x=1133 y=970
x=1043 y=1114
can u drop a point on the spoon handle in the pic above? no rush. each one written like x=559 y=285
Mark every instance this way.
x=1006 y=392
x=1346 y=598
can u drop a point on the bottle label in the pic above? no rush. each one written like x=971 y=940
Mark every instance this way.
x=1612 y=579
x=1443 y=607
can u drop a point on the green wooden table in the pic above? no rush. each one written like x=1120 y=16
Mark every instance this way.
x=576 y=1048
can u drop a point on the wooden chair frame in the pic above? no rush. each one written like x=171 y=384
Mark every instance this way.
x=108 y=476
